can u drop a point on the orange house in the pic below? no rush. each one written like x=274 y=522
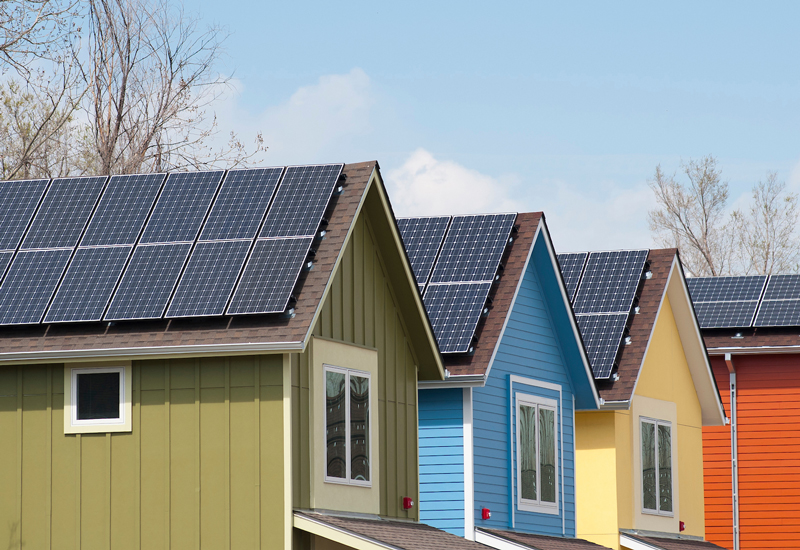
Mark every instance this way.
x=751 y=327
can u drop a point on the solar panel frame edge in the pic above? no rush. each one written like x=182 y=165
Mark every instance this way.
x=35 y=208
x=438 y=250
x=46 y=306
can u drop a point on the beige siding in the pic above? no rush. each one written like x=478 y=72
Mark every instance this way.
x=361 y=309
x=203 y=442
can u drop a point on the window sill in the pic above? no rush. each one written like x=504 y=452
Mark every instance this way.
x=551 y=509
x=340 y=481
x=658 y=514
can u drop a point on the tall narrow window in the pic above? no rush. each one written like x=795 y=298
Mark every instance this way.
x=656 y=440
x=347 y=426
x=537 y=452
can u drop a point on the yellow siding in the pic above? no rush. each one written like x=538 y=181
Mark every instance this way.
x=202 y=466
x=361 y=309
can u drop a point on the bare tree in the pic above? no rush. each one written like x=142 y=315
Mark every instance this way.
x=769 y=242
x=151 y=84
x=693 y=217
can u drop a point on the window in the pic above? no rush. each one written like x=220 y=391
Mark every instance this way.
x=537 y=454
x=656 y=466
x=347 y=429
x=97 y=399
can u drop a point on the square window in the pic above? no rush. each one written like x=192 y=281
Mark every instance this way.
x=537 y=454
x=97 y=399
x=348 y=442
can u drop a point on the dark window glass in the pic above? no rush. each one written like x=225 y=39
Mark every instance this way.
x=335 y=427
x=527 y=451
x=98 y=395
x=359 y=428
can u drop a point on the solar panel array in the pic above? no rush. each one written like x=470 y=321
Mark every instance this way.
x=134 y=247
x=746 y=301
x=455 y=261
x=602 y=287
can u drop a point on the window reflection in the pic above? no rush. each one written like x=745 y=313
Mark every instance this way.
x=335 y=433
x=359 y=428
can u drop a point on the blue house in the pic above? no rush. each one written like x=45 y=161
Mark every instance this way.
x=497 y=444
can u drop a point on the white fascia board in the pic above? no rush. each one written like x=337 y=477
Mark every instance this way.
x=754 y=350
x=496 y=542
x=66 y=356
x=633 y=544
x=341 y=536
x=462 y=381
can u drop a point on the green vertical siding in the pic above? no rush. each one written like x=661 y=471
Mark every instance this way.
x=202 y=466
x=361 y=309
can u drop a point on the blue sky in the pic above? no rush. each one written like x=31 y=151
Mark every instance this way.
x=475 y=107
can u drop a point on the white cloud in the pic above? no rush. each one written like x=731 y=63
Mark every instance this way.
x=316 y=124
x=424 y=186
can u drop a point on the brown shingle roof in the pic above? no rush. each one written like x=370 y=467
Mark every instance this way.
x=632 y=355
x=267 y=329
x=503 y=295
x=541 y=542
x=397 y=534
x=676 y=543
x=752 y=338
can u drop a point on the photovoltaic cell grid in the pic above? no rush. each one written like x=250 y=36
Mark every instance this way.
x=609 y=281
x=182 y=207
x=726 y=302
x=123 y=209
x=301 y=201
x=18 y=202
x=454 y=311
x=473 y=248
x=571 y=269
x=209 y=278
x=422 y=238
x=29 y=284
x=5 y=259
x=241 y=204
x=148 y=282
x=64 y=212
x=88 y=284
x=270 y=275
x=780 y=306
x=602 y=335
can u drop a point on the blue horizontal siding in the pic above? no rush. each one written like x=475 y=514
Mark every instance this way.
x=441 y=459
x=534 y=346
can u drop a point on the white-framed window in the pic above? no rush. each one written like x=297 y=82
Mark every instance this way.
x=656 y=439
x=348 y=441
x=537 y=454
x=97 y=399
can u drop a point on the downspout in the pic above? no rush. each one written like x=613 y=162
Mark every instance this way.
x=734 y=450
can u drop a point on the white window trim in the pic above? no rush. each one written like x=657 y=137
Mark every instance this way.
x=74 y=426
x=658 y=511
x=347 y=373
x=523 y=503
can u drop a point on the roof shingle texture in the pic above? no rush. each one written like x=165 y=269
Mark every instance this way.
x=676 y=543
x=399 y=534
x=210 y=331
x=541 y=542
x=751 y=337
x=632 y=355
x=503 y=295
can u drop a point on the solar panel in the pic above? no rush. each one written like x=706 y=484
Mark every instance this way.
x=148 y=282
x=182 y=207
x=571 y=268
x=5 y=259
x=454 y=311
x=473 y=248
x=726 y=289
x=301 y=200
x=209 y=278
x=18 y=202
x=783 y=287
x=123 y=209
x=725 y=314
x=778 y=313
x=64 y=212
x=602 y=335
x=269 y=276
x=29 y=284
x=241 y=204
x=610 y=281
x=88 y=284
x=422 y=238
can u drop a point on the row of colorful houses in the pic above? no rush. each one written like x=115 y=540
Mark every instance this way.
x=345 y=420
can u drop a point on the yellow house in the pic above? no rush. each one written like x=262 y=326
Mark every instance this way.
x=639 y=471
x=210 y=431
